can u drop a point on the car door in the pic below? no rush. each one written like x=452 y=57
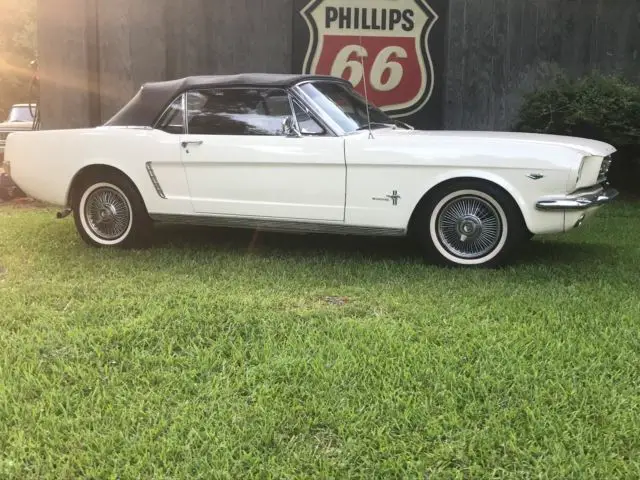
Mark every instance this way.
x=239 y=162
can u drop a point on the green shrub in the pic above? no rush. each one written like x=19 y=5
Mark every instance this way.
x=599 y=107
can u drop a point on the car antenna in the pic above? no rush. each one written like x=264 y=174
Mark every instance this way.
x=366 y=92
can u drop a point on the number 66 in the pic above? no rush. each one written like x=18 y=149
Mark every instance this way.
x=381 y=64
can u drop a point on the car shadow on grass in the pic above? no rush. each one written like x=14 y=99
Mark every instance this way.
x=266 y=243
x=395 y=249
x=563 y=252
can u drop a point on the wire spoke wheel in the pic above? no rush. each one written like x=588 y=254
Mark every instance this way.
x=469 y=227
x=107 y=213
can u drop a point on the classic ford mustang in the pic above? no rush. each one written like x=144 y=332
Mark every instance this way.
x=306 y=153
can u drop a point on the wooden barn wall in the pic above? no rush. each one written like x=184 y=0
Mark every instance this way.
x=129 y=42
x=498 y=49
x=94 y=54
x=64 y=28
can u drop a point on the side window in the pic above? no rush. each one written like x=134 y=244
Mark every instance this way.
x=172 y=121
x=308 y=126
x=237 y=111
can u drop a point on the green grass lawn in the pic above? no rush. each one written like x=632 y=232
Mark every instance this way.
x=210 y=357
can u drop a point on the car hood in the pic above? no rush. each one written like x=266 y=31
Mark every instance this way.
x=582 y=145
x=16 y=125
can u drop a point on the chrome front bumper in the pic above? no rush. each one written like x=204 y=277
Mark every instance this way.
x=580 y=200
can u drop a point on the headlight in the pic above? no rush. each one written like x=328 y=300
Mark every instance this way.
x=589 y=172
x=604 y=169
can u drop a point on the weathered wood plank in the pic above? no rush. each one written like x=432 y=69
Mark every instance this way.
x=63 y=32
x=617 y=37
x=499 y=49
x=457 y=44
x=228 y=36
x=496 y=49
x=133 y=49
x=146 y=40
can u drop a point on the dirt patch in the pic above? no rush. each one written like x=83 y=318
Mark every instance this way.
x=25 y=202
x=339 y=301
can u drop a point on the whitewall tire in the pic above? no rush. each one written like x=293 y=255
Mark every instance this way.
x=105 y=214
x=109 y=212
x=471 y=224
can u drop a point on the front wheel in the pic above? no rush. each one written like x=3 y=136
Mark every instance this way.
x=470 y=223
x=109 y=212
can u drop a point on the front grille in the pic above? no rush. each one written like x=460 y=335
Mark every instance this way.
x=604 y=169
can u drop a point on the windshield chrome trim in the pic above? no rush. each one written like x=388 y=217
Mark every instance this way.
x=183 y=101
x=295 y=100
x=326 y=120
x=340 y=131
x=316 y=114
x=290 y=98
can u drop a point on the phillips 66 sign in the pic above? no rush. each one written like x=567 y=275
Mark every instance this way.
x=393 y=48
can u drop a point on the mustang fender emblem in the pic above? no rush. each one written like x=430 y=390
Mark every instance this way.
x=393 y=197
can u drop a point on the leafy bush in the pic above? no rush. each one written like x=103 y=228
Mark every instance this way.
x=599 y=107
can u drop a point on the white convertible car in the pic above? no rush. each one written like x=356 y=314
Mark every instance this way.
x=305 y=153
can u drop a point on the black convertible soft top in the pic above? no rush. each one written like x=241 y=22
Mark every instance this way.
x=153 y=98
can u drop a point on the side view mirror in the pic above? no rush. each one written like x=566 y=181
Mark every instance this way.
x=290 y=128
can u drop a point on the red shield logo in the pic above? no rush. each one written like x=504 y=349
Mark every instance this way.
x=378 y=45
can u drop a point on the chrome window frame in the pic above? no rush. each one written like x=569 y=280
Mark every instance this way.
x=185 y=124
x=294 y=92
x=185 y=113
x=325 y=120
x=287 y=90
x=326 y=131
x=337 y=129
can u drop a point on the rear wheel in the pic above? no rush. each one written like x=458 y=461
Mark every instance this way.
x=470 y=223
x=109 y=212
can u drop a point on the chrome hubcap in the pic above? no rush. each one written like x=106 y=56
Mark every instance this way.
x=469 y=227
x=107 y=213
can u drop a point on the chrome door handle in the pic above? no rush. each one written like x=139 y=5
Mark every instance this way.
x=191 y=142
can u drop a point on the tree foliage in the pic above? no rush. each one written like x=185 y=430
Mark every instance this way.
x=17 y=50
x=601 y=107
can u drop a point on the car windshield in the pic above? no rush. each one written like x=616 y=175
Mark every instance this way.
x=345 y=106
x=21 y=114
